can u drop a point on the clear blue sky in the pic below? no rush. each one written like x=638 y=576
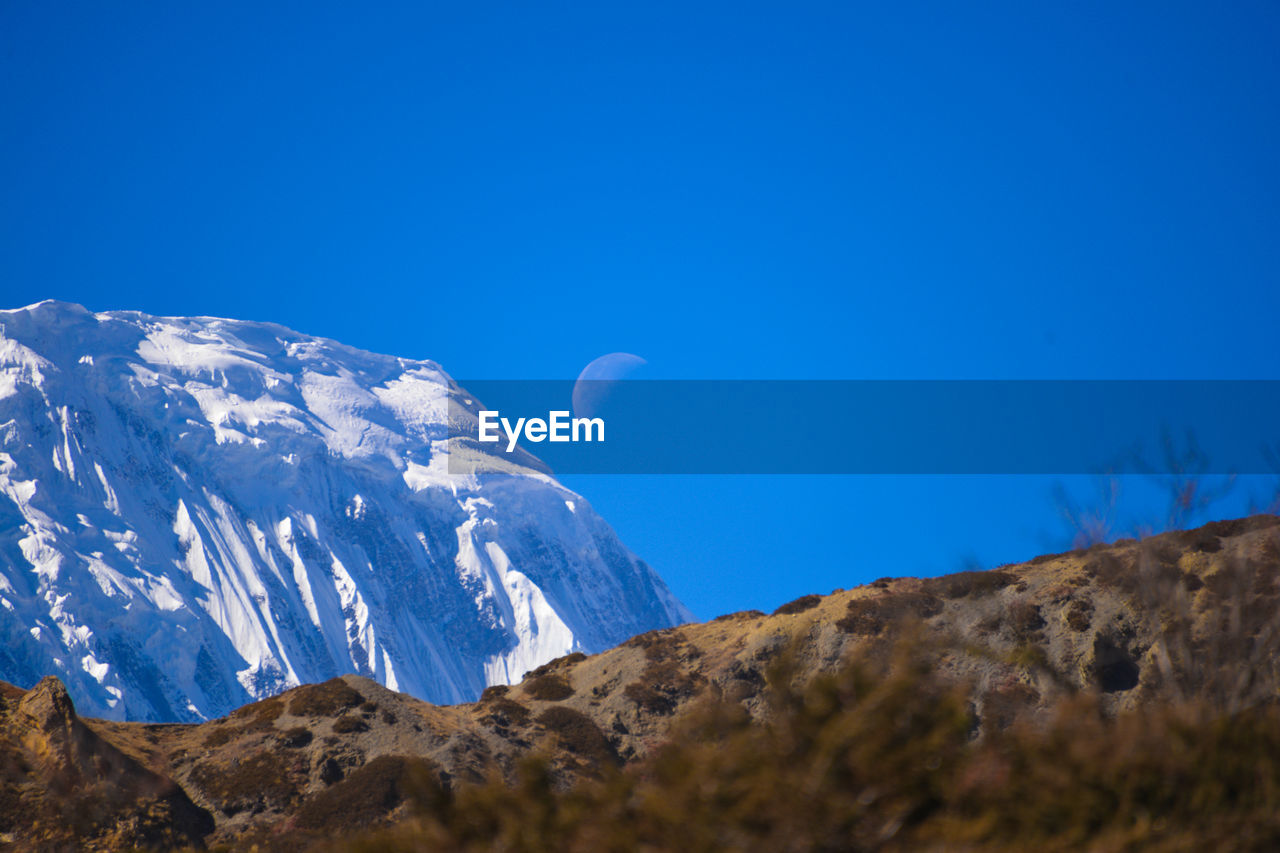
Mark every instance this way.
x=738 y=190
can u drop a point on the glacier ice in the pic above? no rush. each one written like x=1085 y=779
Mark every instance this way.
x=198 y=512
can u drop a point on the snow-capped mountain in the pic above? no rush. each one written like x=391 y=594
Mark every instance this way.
x=196 y=512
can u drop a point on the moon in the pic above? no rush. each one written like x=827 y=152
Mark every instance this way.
x=592 y=387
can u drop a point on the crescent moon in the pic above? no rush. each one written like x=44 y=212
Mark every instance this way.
x=592 y=386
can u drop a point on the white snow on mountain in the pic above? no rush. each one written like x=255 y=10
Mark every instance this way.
x=196 y=513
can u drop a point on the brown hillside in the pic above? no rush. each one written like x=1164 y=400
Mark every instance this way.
x=1173 y=617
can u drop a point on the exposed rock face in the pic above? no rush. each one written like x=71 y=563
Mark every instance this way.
x=63 y=786
x=48 y=707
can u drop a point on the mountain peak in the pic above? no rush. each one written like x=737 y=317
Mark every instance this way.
x=198 y=512
x=48 y=704
x=50 y=306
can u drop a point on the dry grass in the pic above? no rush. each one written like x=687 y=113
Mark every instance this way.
x=547 y=688
x=871 y=616
x=800 y=605
x=368 y=795
x=349 y=724
x=873 y=758
x=893 y=752
x=962 y=584
x=253 y=784
x=327 y=699
x=575 y=732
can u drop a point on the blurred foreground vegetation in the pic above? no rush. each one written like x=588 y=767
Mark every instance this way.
x=885 y=754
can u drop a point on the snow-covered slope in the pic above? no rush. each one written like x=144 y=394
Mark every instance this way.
x=196 y=512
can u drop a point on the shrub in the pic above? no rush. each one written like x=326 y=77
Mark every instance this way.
x=494 y=691
x=506 y=711
x=548 y=688
x=326 y=699
x=1025 y=619
x=559 y=663
x=657 y=644
x=1112 y=569
x=253 y=784
x=739 y=616
x=369 y=794
x=1079 y=614
x=261 y=715
x=747 y=673
x=348 y=724
x=669 y=677
x=648 y=699
x=662 y=685
x=295 y=738
x=257 y=717
x=841 y=765
x=1003 y=705
x=873 y=758
x=800 y=605
x=962 y=584
x=664 y=647
x=220 y=735
x=577 y=733
x=870 y=616
x=1206 y=542
x=643 y=641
